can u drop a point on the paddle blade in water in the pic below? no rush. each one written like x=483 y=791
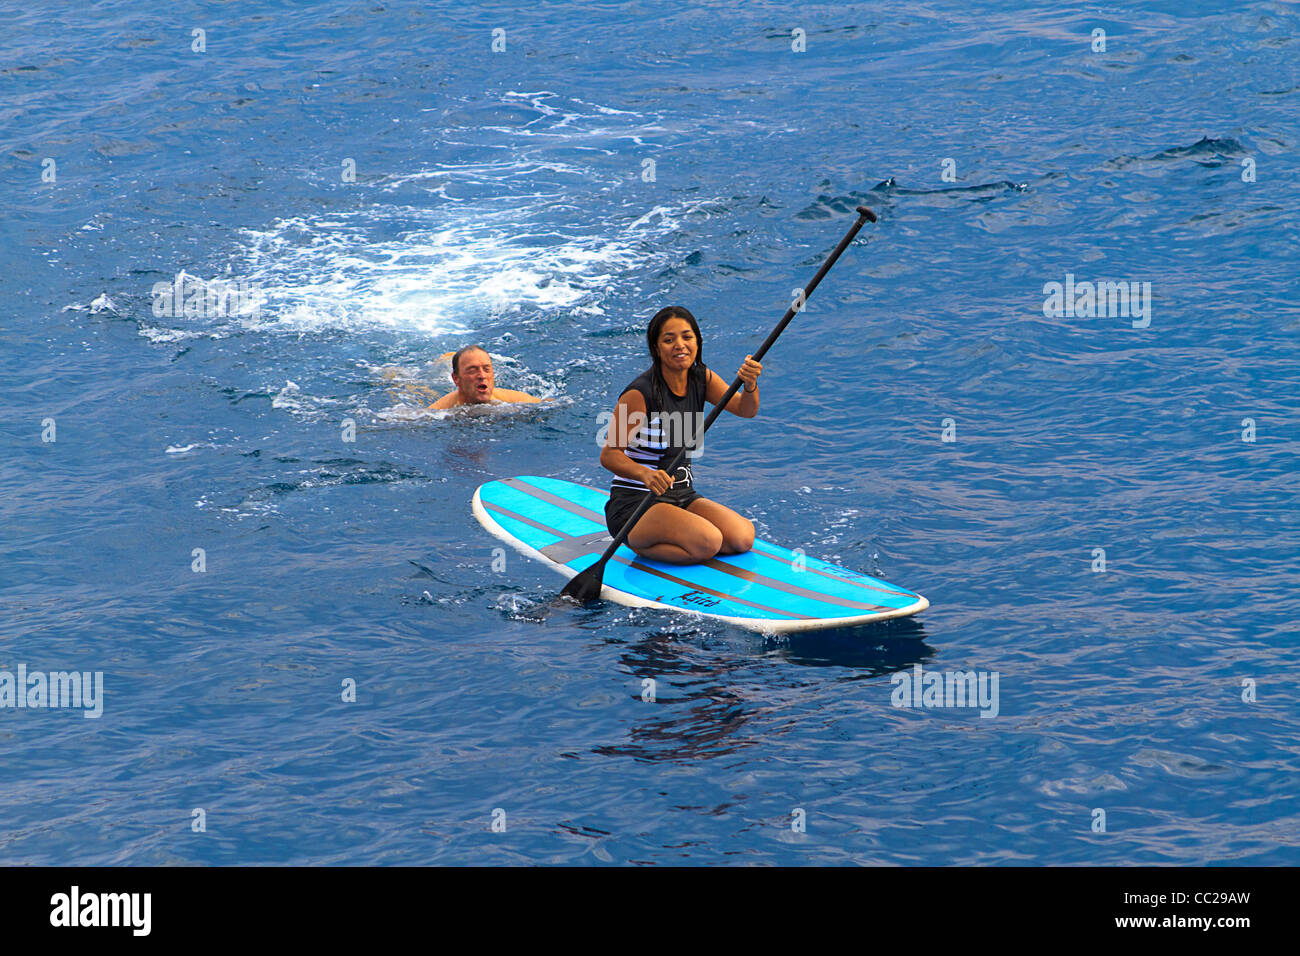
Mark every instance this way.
x=584 y=587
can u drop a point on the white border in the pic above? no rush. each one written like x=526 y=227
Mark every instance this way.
x=763 y=625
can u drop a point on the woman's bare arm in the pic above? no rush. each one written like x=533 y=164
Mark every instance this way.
x=629 y=417
x=744 y=403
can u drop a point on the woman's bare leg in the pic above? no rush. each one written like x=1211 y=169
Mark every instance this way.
x=677 y=536
x=737 y=531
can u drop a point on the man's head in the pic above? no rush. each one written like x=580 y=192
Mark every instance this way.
x=471 y=370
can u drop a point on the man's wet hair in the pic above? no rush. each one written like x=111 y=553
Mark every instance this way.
x=455 y=359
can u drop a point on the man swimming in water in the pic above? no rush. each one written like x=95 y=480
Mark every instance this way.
x=471 y=370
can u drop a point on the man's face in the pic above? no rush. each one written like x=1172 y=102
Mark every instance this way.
x=475 y=380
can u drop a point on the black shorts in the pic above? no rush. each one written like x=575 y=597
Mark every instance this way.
x=623 y=501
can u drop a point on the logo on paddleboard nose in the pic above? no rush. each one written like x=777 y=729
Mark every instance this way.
x=698 y=597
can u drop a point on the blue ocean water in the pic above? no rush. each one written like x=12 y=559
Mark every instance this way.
x=391 y=187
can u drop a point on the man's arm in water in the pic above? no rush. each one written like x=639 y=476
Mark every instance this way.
x=510 y=395
x=453 y=400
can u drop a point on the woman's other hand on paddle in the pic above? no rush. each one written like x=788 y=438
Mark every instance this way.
x=657 y=481
x=745 y=402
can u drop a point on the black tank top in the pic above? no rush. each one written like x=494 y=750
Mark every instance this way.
x=673 y=422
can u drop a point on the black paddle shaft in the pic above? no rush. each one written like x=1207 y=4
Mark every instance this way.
x=585 y=586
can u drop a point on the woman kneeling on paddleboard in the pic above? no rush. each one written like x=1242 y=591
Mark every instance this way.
x=661 y=411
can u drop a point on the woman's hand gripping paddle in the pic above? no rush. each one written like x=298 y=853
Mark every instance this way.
x=585 y=586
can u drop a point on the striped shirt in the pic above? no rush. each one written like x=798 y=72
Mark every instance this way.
x=677 y=424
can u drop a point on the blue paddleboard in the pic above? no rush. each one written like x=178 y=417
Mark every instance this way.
x=769 y=588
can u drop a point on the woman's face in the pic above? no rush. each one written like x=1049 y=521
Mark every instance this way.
x=677 y=345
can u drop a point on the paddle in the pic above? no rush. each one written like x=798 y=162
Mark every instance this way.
x=585 y=586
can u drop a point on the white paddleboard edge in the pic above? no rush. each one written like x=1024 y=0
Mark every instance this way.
x=763 y=625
